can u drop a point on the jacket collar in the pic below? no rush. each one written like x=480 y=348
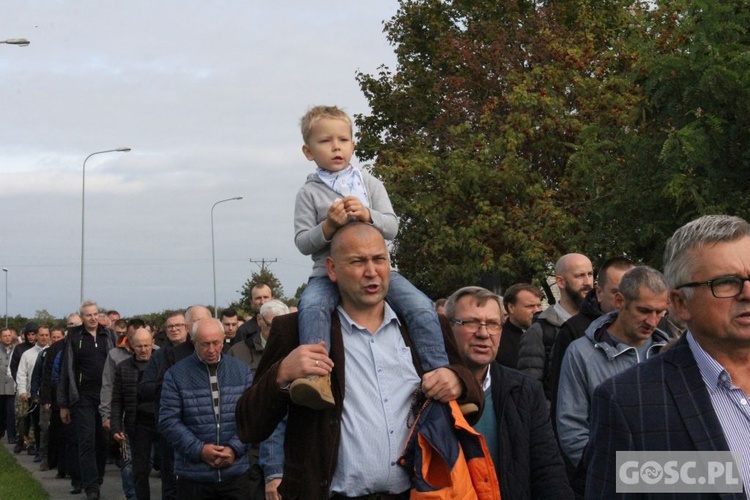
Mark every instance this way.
x=600 y=325
x=685 y=383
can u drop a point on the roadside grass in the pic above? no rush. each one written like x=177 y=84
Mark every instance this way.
x=16 y=483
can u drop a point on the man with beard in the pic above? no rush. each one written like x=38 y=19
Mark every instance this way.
x=574 y=276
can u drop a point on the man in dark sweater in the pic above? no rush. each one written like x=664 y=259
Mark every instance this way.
x=131 y=419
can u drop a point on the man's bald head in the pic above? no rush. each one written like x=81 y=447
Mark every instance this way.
x=358 y=230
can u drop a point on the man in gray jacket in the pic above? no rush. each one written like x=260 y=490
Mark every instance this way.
x=612 y=343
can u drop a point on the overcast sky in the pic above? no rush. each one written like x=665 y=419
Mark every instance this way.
x=208 y=95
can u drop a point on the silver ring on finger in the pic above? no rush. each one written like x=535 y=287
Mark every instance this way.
x=317 y=362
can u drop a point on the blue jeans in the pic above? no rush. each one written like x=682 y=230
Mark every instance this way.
x=126 y=473
x=321 y=297
x=272 y=451
x=92 y=443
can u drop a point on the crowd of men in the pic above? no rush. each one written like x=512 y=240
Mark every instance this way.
x=632 y=360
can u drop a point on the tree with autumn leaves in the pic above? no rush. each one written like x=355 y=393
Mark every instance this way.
x=512 y=132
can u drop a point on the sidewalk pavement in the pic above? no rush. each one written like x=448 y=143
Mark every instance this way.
x=59 y=489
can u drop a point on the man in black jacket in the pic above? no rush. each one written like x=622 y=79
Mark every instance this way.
x=78 y=395
x=515 y=421
x=22 y=416
x=522 y=302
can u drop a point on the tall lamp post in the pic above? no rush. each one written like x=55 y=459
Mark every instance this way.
x=83 y=204
x=21 y=42
x=213 y=247
x=5 y=270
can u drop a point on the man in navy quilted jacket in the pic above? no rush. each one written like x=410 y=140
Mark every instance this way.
x=198 y=399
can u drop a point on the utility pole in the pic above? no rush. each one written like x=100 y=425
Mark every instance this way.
x=262 y=261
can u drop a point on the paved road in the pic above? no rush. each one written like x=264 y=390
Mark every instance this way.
x=59 y=489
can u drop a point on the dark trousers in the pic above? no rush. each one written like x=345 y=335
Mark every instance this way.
x=92 y=444
x=257 y=489
x=56 y=439
x=143 y=437
x=168 y=481
x=231 y=489
x=70 y=465
x=7 y=416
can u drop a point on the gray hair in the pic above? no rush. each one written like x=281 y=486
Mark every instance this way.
x=87 y=303
x=275 y=307
x=194 y=330
x=481 y=295
x=679 y=264
x=639 y=277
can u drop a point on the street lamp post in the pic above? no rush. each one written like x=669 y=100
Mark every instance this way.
x=83 y=204
x=21 y=42
x=213 y=248
x=5 y=270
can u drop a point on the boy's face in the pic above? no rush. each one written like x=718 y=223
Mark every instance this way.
x=330 y=145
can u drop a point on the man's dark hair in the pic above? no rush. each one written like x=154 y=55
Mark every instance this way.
x=261 y=285
x=136 y=323
x=120 y=323
x=620 y=262
x=511 y=294
x=229 y=312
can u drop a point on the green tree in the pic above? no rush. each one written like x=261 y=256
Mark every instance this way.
x=473 y=131
x=684 y=153
x=44 y=318
x=264 y=276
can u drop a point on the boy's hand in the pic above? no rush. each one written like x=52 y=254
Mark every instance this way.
x=337 y=217
x=355 y=209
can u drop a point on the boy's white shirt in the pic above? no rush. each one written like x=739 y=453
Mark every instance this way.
x=347 y=182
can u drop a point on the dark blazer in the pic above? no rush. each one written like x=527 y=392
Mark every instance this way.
x=530 y=464
x=312 y=436
x=661 y=404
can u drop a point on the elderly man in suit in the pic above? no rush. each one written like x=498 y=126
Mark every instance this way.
x=694 y=397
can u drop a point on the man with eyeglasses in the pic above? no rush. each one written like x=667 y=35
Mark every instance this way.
x=515 y=421
x=611 y=344
x=693 y=397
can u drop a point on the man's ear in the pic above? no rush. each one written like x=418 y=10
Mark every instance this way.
x=619 y=301
x=331 y=268
x=679 y=304
x=560 y=281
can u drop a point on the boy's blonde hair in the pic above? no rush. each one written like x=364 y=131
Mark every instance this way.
x=316 y=113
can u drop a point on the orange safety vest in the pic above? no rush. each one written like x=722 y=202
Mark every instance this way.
x=448 y=458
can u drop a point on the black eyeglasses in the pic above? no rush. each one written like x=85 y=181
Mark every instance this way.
x=725 y=287
x=472 y=326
